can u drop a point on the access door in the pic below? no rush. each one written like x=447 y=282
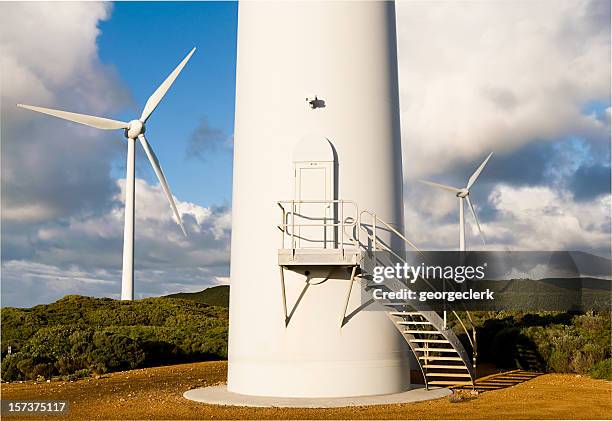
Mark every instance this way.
x=314 y=207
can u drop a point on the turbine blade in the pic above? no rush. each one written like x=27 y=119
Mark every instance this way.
x=441 y=186
x=157 y=96
x=161 y=178
x=88 y=120
x=476 y=218
x=474 y=176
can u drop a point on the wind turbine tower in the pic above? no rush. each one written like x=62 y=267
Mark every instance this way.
x=317 y=135
x=133 y=130
x=464 y=195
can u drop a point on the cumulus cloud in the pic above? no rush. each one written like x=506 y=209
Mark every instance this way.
x=529 y=81
x=51 y=168
x=526 y=218
x=538 y=218
x=62 y=211
x=83 y=253
x=41 y=56
x=480 y=76
x=27 y=283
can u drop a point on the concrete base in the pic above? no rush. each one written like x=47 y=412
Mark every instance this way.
x=218 y=395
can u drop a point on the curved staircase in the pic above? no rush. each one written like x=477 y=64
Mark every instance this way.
x=441 y=356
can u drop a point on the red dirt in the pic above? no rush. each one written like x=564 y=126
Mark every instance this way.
x=156 y=393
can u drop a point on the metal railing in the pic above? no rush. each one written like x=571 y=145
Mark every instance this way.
x=289 y=225
x=378 y=245
x=288 y=228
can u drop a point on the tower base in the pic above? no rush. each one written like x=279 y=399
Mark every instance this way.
x=218 y=395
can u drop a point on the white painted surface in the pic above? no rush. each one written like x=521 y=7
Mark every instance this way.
x=127 y=273
x=461 y=225
x=345 y=53
x=314 y=167
x=312 y=182
x=464 y=194
x=219 y=395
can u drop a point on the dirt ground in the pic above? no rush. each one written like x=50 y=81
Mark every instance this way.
x=156 y=393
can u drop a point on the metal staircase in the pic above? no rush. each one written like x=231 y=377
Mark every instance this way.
x=441 y=356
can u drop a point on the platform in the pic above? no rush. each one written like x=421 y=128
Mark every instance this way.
x=218 y=395
x=319 y=257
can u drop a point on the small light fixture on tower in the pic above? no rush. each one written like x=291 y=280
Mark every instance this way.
x=315 y=102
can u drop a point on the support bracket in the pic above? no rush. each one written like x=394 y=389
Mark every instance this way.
x=348 y=296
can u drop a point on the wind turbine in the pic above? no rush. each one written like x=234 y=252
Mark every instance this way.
x=133 y=130
x=464 y=194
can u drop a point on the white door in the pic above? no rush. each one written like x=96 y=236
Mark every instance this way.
x=314 y=182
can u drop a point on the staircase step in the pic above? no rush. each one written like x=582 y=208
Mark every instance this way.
x=448 y=375
x=497 y=383
x=407 y=322
x=441 y=358
x=458 y=367
x=406 y=313
x=449 y=382
x=436 y=349
x=426 y=332
x=430 y=341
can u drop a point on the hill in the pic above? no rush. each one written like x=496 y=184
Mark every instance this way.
x=214 y=296
x=77 y=336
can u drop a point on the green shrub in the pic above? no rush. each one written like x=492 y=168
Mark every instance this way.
x=602 y=370
x=76 y=336
x=26 y=367
x=558 y=342
x=10 y=371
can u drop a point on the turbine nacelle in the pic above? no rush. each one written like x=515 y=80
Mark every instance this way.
x=135 y=128
x=463 y=193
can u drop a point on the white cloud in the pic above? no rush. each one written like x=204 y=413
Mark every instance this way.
x=49 y=57
x=82 y=255
x=538 y=218
x=223 y=280
x=46 y=48
x=474 y=76
x=526 y=218
x=62 y=212
x=479 y=76
x=26 y=283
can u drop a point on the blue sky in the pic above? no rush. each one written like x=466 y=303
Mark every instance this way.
x=144 y=41
x=529 y=81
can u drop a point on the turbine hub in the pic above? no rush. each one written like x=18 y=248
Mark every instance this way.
x=135 y=128
x=463 y=193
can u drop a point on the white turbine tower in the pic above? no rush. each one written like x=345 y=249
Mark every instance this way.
x=135 y=129
x=464 y=194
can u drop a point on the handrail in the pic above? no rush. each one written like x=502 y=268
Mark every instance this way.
x=284 y=225
x=389 y=227
x=355 y=239
x=464 y=328
x=375 y=219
